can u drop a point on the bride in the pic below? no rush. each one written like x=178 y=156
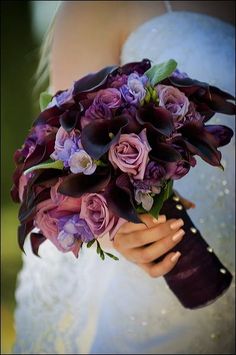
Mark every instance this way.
x=86 y=306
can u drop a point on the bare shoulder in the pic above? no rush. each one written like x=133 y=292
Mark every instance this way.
x=89 y=35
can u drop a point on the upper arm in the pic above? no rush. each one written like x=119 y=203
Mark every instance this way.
x=84 y=41
x=88 y=35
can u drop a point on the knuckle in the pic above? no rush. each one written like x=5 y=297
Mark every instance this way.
x=146 y=256
x=153 y=272
x=116 y=242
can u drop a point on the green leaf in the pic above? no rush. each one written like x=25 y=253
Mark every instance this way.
x=44 y=100
x=161 y=71
x=111 y=255
x=89 y=244
x=50 y=164
x=102 y=256
x=140 y=209
x=160 y=199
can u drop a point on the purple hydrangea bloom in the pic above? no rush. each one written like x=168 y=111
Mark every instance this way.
x=73 y=227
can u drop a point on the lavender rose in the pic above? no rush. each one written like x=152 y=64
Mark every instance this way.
x=95 y=212
x=173 y=100
x=95 y=111
x=130 y=154
x=110 y=97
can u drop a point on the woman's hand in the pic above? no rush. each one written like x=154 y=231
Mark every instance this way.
x=144 y=243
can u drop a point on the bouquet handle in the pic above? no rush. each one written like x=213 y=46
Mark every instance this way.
x=199 y=277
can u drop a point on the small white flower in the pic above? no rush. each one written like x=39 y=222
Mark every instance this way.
x=81 y=162
x=145 y=199
x=66 y=240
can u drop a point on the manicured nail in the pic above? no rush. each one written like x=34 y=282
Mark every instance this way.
x=155 y=220
x=178 y=235
x=175 y=257
x=177 y=224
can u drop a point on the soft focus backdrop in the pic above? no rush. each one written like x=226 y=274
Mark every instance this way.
x=23 y=24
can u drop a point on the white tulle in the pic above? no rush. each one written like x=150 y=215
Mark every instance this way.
x=89 y=306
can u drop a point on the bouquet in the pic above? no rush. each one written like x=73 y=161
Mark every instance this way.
x=108 y=149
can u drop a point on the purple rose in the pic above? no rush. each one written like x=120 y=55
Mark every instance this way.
x=130 y=154
x=95 y=111
x=110 y=97
x=134 y=92
x=118 y=81
x=173 y=100
x=100 y=219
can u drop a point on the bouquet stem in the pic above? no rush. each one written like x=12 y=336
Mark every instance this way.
x=199 y=277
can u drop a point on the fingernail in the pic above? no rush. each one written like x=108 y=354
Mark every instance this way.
x=155 y=220
x=175 y=257
x=177 y=224
x=178 y=235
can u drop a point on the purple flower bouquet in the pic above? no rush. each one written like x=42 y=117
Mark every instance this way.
x=108 y=149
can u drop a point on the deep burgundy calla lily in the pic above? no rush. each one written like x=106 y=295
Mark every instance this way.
x=139 y=67
x=36 y=239
x=156 y=118
x=120 y=199
x=201 y=142
x=93 y=81
x=207 y=98
x=221 y=134
x=76 y=185
x=99 y=135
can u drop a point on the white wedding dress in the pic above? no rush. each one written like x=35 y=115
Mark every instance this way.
x=90 y=306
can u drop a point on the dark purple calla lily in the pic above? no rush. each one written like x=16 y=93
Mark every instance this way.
x=120 y=199
x=99 y=135
x=207 y=98
x=156 y=118
x=36 y=239
x=76 y=185
x=68 y=120
x=49 y=116
x=221 y=134
x=201 y=142
x=23 y=230
x=93 y=81
x=139 y=67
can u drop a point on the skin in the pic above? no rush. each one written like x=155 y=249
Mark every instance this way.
x=89 y=35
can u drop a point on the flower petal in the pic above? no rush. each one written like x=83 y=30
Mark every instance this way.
x=36 y=240
x=76 y=185
x=120 y=200
x=156 y=118
x=99 y=135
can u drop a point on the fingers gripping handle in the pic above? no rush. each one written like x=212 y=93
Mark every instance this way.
x=199 y=277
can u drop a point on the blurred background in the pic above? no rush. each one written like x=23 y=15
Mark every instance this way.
x=23 y=26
